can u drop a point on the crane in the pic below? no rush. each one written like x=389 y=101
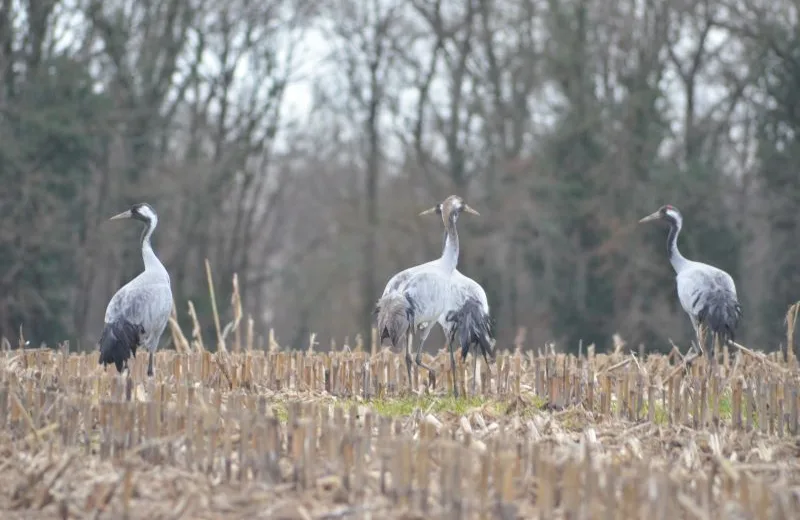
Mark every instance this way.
x=706 y=293
x=468 y=320
x=138 y=313
x=417 y=297
x=470 y=323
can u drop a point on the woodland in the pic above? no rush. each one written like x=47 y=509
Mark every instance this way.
x=293 y=143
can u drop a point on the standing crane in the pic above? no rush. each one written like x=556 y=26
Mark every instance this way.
x=139 y=311
x=417 y=297
x=706 y=293
x=470 y=323
x=468 y=319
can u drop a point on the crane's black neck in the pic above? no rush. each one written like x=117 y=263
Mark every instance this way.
x=675 y=257
x=147 y=232
x=151 y=261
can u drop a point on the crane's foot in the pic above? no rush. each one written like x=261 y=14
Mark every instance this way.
x=693 y=353
x=423 y=365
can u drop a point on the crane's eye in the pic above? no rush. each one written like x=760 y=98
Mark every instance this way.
x=438 y=209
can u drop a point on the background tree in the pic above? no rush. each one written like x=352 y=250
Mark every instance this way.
x=293 y=143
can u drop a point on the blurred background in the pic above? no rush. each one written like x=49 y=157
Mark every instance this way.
x=294 y=142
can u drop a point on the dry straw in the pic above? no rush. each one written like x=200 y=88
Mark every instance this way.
x=271 y=432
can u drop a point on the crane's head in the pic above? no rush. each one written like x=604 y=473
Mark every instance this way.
x=667 y=212
x=450 y=208
x=142 y=211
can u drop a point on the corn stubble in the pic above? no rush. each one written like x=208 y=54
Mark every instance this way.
x=263 y=432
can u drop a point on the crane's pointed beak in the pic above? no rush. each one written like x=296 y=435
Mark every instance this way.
x=469 y=209
x=427 y=211
x=652 y=216
x=124 y=214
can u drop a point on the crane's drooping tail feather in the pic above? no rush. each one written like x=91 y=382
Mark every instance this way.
x=473 y=326
x=118 y=341
x=721 y=315
x=395 y=314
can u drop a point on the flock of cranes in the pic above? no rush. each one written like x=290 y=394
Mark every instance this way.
x=415 y=299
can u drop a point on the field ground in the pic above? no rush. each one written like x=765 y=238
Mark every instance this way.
x=251 y=434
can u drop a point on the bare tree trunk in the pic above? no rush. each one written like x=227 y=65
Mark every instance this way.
x=371 y=190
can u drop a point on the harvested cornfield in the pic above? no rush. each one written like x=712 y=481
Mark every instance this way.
x=255 y=434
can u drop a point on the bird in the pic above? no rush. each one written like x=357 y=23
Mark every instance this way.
x=417 y=297
x=706 y=293
x=468 y=321
x=470 y=324
x=138 y=312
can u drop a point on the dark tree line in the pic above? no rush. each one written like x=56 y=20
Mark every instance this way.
x=294 y=144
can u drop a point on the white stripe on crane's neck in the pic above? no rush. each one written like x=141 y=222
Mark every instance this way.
x=149 y=257
x=450 y=250
x=675 y=224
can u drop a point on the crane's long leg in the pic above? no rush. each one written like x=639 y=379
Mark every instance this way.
x=701 y=338
x=486 y=358
x=422 y=338
x=409 y=339
x=712 y=351
x=699 y=341
x=475 y=372
x=698 y=338
x=451 y=341
x=150 y=364
x=711 y=358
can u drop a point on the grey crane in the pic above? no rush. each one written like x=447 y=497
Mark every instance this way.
x=706 y=293
x=417 y=297
x=470 y=323
x=467 y=320
x=138 y=313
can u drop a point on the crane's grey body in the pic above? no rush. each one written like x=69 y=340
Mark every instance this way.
x=467 y=321
x=399 y=280
x=701 y=285
x=416 y=298
x=706 y=293
x=147 y=301
x=138 y=313
x=465 y=288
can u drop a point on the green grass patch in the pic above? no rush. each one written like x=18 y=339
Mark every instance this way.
x=405 y=405
x=725 y=406
x=280 y=411
x=660 y=414
x=527 y=407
